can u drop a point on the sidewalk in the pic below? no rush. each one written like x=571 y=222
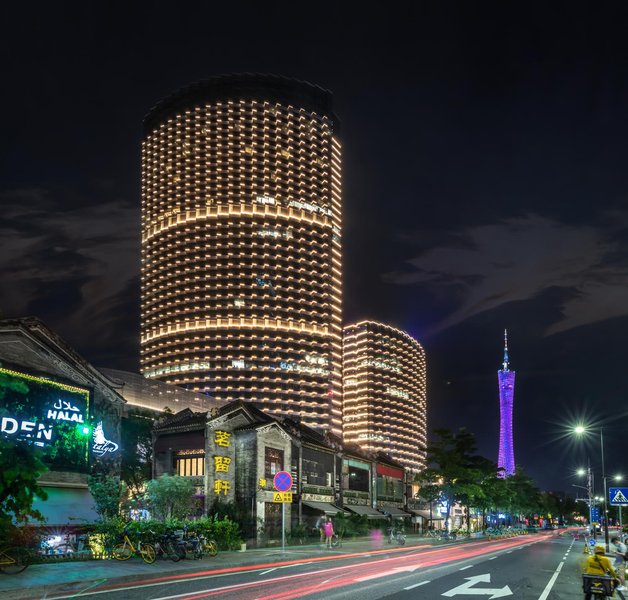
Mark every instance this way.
x=72 y=577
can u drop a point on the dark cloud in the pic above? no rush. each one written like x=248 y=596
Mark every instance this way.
x=484 y=153
x=518 y=259
x=76 y=268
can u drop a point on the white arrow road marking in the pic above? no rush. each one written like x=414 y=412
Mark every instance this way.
x=467 y=589
x=394 y=571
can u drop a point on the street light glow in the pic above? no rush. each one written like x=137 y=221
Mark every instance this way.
x=580 y=471
x=618 y=477
x=579 y=429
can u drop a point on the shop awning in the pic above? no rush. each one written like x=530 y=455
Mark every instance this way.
x=367 y=511
x=426 y=515
x=325 y=507
x=395 y=512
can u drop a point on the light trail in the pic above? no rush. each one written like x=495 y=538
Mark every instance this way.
x=365 y=570
x=428 y=554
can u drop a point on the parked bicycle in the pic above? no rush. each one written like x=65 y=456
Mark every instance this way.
x=127 y=549
x=432 y=533
x=14 y=559
x=72 y=545
x=396 y=534
x=189 y=542
x=166 y=546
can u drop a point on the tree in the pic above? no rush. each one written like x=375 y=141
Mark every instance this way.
x=522 y=497
x=428 y=493
x=170 y=496
x=20 y=467
x=108 y=493
x=454 y=468
x=138 y=450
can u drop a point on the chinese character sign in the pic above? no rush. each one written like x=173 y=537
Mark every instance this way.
x=221 y=487
x=221 y=464
x=222 y=438
x=223 y=475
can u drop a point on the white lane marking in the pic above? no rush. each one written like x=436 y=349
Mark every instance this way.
x=509 y=552
x=268 y=571
x=411 y=587
x=492 y=558
x=551 y=582
x=464 y=568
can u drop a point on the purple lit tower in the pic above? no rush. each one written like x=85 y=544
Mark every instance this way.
x=506 y=380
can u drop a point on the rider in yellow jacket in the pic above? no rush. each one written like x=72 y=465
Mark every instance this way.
x=598 y=564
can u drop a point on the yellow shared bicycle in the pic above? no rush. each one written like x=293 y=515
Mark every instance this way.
x=14 y=559
x=126 y=549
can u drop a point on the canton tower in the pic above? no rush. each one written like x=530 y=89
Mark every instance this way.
x=506 y=381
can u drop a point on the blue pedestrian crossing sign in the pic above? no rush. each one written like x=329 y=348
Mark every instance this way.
x=618 y=496
x=592 y=542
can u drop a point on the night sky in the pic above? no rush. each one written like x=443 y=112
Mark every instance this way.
x=485 y=186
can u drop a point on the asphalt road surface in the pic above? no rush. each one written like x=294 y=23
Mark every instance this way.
x=534 y=567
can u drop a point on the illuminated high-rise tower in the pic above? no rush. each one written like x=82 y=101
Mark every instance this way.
x=384 y=397
x=241 y=245
x=506 y=380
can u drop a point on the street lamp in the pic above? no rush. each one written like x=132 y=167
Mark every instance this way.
x=581 y=430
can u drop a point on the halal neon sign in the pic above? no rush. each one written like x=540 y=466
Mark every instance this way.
x=64 y=411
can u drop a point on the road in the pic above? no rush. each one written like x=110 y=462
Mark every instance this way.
x=534 y=567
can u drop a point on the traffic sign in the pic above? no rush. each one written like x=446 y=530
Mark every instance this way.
x=592 y=542
x=282 y=481
x=283 y=497
x=595 y=514
x=618 y=496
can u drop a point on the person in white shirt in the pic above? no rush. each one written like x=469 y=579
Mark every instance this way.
x=620 y=559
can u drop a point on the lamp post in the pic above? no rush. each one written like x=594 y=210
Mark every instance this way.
x=589 y=489
x=620 y=507
x=580 y=430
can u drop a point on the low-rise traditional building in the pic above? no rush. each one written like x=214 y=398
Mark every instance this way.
x=234 y=452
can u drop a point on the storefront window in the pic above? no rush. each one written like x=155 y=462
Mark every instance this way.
x=190 y=463
x=273 y=462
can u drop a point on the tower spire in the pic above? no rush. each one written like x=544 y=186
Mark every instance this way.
x=505 y=349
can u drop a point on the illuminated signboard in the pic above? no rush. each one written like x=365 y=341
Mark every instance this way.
x=47 y=413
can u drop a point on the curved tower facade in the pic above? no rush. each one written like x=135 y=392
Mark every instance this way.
x=385 y=392
x=506 y=381
x=241 y=246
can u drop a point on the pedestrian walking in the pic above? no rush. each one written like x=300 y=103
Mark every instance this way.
x=620 y=559
x=319 y=526
x=328 y=529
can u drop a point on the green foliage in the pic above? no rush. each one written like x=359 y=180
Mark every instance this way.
x=225 y=531
x=136 y=437
x=237 y=512
x=108 y=493
x=170 y=496
x=456 y=474
x=454 y=469
x=20 y=467
x=353 y=525
x=298 y=533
